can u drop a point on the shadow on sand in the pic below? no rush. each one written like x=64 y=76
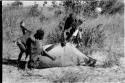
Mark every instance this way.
x=14 y=63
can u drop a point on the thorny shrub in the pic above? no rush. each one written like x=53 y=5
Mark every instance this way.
x=89 y=7
x=43 y=18
x=72 y=6
x=54 y=37
x=112 y=6
x=58 y=12
x=93 y=36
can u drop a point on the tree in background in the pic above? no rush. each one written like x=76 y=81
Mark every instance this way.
x=112 y=6
x=72 y=6
x=89 y=7
x=54 y=4
x=17 y=3
x=34 y=10
x=45 y=2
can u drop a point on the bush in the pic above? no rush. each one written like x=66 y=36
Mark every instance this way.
x=54 y=4
x=105 y=58
x=34 y=11
x=43 y=18
x=72 y=6
x=112 y=59
x=54 y=37
x=58 y=12
x=93 y=37
x=112 y=6
x=16 y=3
x=89 y=9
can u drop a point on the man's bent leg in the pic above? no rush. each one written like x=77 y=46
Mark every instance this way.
x=20 y=55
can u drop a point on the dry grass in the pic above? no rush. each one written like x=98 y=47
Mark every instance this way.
x=113 y=44
x=61 y=75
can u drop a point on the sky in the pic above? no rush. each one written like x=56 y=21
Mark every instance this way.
x=28 y=3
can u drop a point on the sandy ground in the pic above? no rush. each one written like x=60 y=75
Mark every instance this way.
x=64 y=74
x=83 y=74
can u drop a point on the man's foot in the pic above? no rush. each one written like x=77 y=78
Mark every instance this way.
x=92 y=63
x=18 y=65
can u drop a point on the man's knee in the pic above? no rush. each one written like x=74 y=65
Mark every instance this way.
x=21 y=45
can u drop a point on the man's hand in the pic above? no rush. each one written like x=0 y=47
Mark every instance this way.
x=32 y=38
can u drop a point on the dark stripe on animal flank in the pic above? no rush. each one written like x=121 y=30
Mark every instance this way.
x=49 y=48
x=47 y=55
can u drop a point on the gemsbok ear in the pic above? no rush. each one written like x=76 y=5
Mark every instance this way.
x=99 y=25
x=79 y=22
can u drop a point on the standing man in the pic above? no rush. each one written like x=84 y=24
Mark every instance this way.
x=70 y=26
x=34 y=49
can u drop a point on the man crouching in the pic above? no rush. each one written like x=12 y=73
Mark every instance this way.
x=34 y=49
x=30 y=45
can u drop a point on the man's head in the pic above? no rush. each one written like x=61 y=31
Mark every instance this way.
x=39 y=34
x=73 y=15
x=79 y=22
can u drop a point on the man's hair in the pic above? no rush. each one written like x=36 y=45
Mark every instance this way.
x=39 y=34
x=71 y=14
